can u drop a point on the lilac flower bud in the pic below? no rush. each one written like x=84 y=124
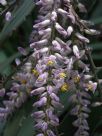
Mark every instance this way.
x=39 y=43
x=82 y=38
x=38 y=114
x=44 y=50
x=55 y=118
x=17 y=61
x=46 y=31
x=4 y=110
x=42 y=125
x=70 y=64
x=70 y=30
x=28 y=66
x=54 y=16
x=59 y=57
x=54 y=122
x=42 y=24
x=49 y=112
x=56 y=45
x=49 y=89
x=41 y=102
x=15 y=86
x=43 y=95
x=54 y=97
x=62 y=12
x=8 y=16
x=60 y=29
x=76 y=51
x=3 y=2
x=87 y=77
x=38 y=91
x=2 y=92
x=38 y=2
x=92 y=32
x=96 y=104
x=41 y=80
x=22 y=51
x=41 y=134
x=67 y=1
x=50 y=133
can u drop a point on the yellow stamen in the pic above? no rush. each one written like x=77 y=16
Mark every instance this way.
x=40 y=79
x=50 y=63
x=64 y=87
x=76 y=79
x=20 y=93
x=35 y=72
x=89 y=87
x=62 y=75
x=23 y=81
x=28 y=90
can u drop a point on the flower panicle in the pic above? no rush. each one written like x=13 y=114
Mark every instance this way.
x=57 y=64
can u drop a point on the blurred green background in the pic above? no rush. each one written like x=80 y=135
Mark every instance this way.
x=16 y=33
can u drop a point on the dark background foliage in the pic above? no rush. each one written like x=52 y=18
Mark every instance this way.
x=16 y=33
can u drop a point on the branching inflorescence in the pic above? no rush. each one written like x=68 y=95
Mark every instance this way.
x=56 y=64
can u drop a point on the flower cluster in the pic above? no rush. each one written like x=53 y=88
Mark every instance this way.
x=57 y=64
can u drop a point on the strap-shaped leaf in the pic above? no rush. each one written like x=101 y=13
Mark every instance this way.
x=20 y=124
x=27 y=128
x=97 y=50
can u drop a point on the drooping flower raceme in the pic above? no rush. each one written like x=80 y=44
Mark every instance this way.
x=56 y=65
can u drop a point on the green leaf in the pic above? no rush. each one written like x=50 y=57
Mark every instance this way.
x=2 y=124
x=20 y=123
x=18 y=17
x=98 y=20
x=95 y=120
x=65 y=126
x=64 y=100
x=96 y=46
x=14 y=124
x=97 y=12
x=97 y=50
x=27 y=128
x=3 y=58
x=8 y=61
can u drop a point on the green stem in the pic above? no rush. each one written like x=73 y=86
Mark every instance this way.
x=94 y=70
